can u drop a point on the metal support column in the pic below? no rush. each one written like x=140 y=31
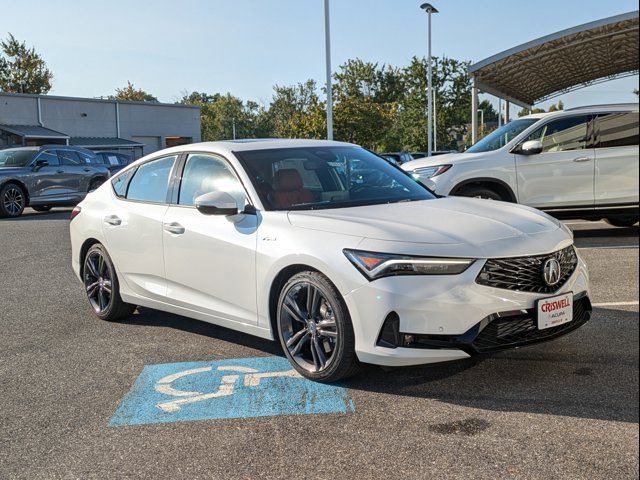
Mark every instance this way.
x=474 y=112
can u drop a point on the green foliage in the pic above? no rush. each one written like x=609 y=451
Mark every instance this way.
x=378 y=106
x=133 y=94
x=525 y=111
x=22 y=70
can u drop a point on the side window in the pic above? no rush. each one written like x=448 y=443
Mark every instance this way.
x=563 y=134
x=50 y=156
x=151 y=181
x=206 y=174
x=88 y=158
x=617 y=130
x=69 y=157
x=121 y=182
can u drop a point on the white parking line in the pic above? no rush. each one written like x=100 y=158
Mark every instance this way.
x=616 y=304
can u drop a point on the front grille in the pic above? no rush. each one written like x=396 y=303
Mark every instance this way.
x=524 y=274
x=519 y=330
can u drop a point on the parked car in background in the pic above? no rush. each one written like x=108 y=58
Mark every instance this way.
x=577 y=163
x=114 y=161
x=330 y=250
x=46 y=177
x=400 y=158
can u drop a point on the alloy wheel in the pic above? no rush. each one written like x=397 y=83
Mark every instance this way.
x=308 y=327
x=98 y=281
x=13 y=201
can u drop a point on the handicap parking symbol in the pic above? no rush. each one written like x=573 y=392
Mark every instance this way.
x=234 y=388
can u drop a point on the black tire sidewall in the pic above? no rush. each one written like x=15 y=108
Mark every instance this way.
x=623 y=222
x=3 y=190
x=485 y=193
x=344 y=354
x=110 y=314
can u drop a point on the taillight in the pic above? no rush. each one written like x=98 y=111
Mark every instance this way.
x=75 y=212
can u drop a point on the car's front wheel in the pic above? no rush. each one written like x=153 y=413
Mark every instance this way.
x=12 y=200
x=315 y=328
x=102 y=287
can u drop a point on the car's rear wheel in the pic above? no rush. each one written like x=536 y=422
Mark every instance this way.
x=480 y=192
x=42 y=208
x=102 y=287
x=315 y=328
x=12 y=200
x=626 y=221
x=95 y=184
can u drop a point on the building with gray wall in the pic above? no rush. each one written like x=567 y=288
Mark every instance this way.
x=137 y=127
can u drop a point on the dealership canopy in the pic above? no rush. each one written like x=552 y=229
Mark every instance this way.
x=561 y=62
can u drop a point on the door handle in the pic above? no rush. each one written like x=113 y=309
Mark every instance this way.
x=174 y=228
x=582 y=159
x=87 y=169
x=59 y=171
x=113 y=220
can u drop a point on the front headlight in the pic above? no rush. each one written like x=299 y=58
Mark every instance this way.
x=429 y=172
x=376 y=265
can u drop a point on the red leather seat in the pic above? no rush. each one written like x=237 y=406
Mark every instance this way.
x=289 y=189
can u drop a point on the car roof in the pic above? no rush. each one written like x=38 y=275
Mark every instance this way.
x=616 y=107
x=231 y=146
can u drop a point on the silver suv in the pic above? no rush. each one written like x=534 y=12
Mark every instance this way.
x=577 y=163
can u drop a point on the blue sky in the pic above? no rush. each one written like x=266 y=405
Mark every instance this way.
x=246 y=46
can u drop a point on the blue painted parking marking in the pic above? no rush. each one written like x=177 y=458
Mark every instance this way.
x=234 y=388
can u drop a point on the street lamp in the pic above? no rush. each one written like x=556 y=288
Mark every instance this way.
x=327 y=39
x=427 y=7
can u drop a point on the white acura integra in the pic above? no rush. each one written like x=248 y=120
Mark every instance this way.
x=328 y=248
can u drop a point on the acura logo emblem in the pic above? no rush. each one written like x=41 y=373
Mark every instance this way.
x=551 y=272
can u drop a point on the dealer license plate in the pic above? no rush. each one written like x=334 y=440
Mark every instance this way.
x=554 y=311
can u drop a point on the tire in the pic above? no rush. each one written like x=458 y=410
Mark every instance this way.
x=629 y=221
x=102 y=287
x=480 y=192
x=95 y=184
x=327 y=333
x=13 y=200
x=42 y=208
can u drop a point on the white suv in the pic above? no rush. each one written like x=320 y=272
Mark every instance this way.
x=577 y=163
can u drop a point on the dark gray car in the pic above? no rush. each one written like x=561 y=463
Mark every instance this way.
x=46 y=177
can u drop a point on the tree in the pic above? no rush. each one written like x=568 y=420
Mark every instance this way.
x=22 y=70
x=132 y=94
x=296 y=112
x=557 y=106
x=525 y=111
x=226 y=116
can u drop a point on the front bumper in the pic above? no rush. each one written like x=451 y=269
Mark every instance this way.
x=448 y=308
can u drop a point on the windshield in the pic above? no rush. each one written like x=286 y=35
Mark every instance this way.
x=503 y=135
x=327 y=177
x=16 y=157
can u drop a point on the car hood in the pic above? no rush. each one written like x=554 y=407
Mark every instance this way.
x=449 y=226
x=449 y=158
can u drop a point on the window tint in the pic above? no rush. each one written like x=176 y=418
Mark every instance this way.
x=207 y=174
x=121 y=182
x=327 y=177
x=563 y=134
x=50 y=156
x=503 y=135
x=69 y=157
x=151 y=180
x=617 y=130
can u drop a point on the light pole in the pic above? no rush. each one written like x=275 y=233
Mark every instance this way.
x=327 y=39
x=427 y=7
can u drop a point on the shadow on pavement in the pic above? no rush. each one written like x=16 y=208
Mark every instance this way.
x=604 y=237
x=591 y=373
x=31 y=215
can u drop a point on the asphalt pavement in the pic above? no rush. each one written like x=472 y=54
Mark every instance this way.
x=564 y=409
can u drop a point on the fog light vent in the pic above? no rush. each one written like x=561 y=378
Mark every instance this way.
x=390 y=333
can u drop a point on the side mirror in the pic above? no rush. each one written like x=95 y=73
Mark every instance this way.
x=532 y=147
x=217 y=203
x=40 y=163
